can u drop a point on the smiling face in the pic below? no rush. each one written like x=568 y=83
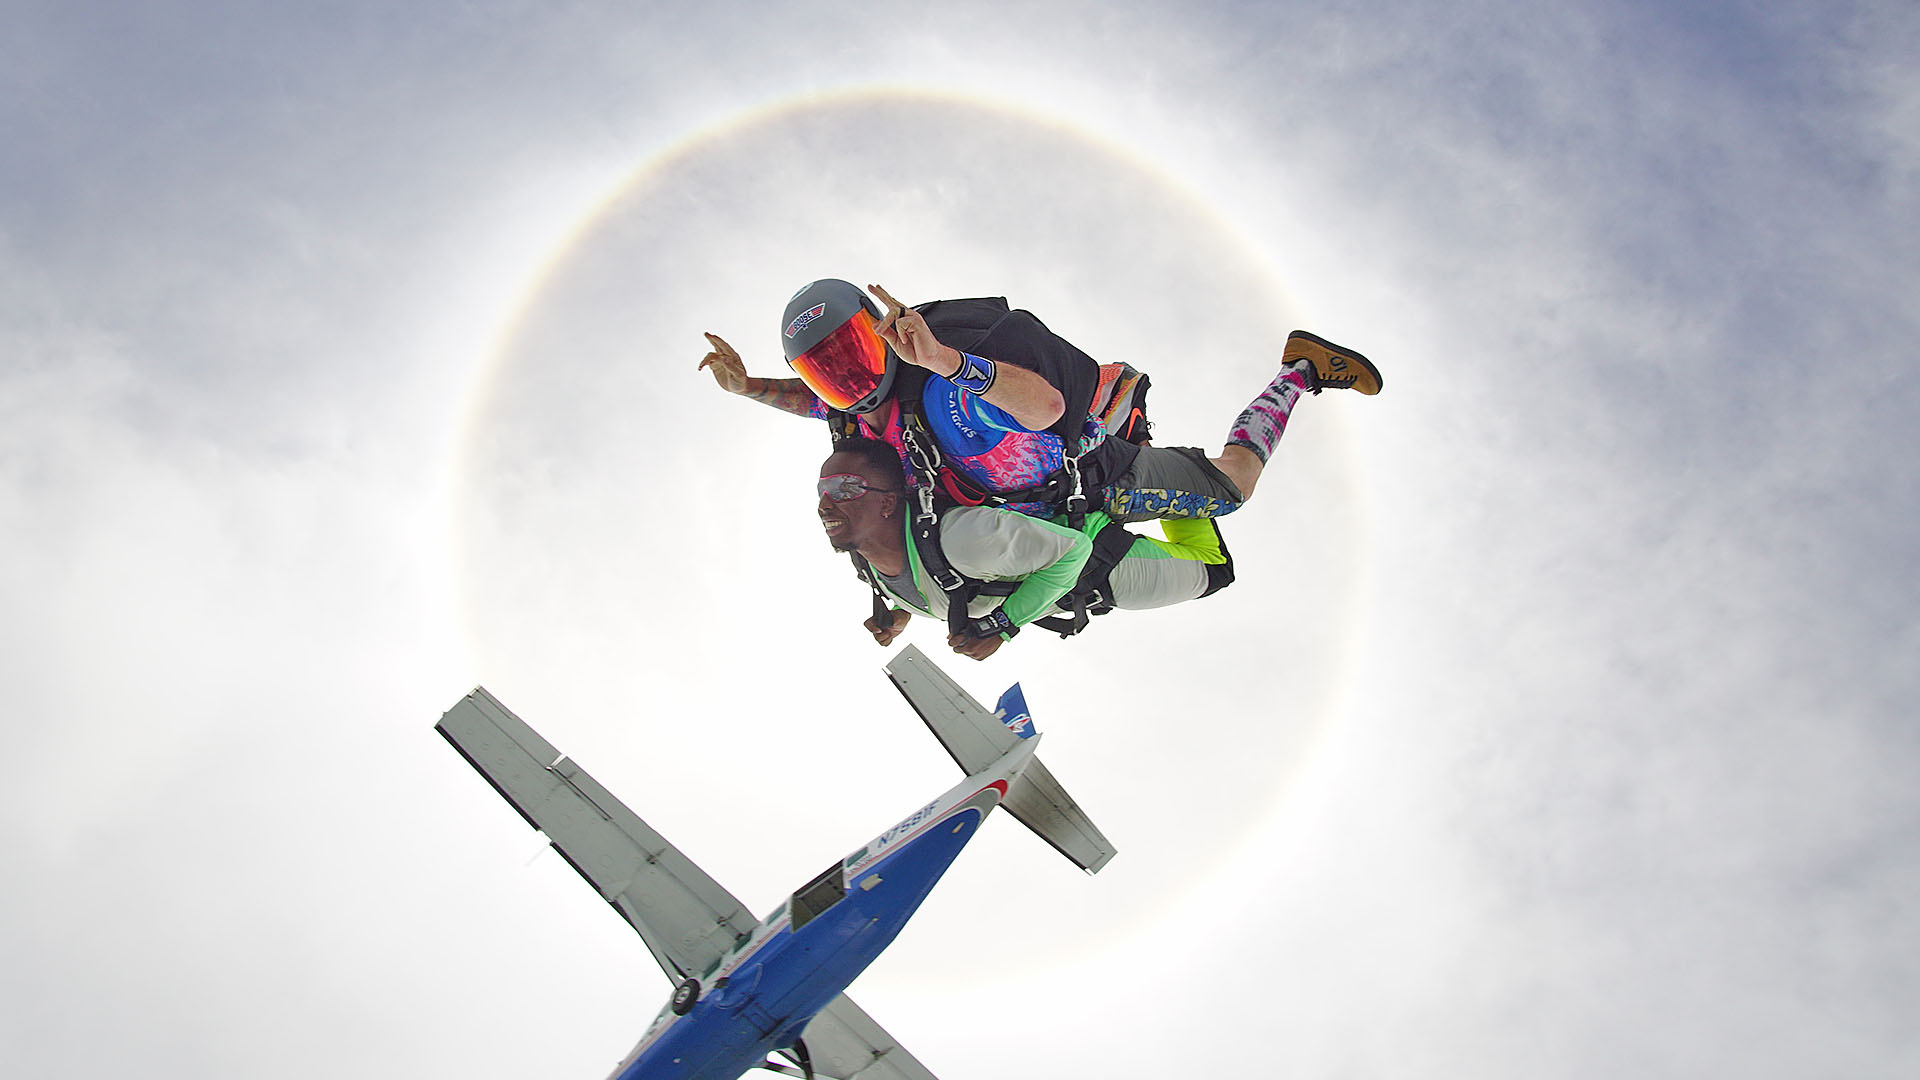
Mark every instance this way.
x=860 y=505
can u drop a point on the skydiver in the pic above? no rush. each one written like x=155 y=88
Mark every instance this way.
x=1005 y=416
x=865 y=509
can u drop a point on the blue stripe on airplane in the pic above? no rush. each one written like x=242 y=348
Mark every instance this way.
x=771 y=995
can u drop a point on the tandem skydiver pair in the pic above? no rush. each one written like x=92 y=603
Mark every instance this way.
x=1011 y=443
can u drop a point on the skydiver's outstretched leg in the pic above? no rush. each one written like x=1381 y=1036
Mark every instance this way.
x=1310 y=364
x=1257 y=430
x=1181 y=482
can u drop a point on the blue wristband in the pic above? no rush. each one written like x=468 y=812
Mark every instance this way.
x=976 y=373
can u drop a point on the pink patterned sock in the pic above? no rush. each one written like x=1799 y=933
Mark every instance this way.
x=1259 y=427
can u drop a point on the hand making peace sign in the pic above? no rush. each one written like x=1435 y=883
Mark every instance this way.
x=911 y=337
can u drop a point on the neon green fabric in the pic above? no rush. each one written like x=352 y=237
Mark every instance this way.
x=1194 y=539
x=1187 y=538
x=1001 y=545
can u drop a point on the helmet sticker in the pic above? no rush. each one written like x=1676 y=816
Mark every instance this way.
x=801 y=321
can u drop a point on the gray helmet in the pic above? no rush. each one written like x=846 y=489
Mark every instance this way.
x=827 y=333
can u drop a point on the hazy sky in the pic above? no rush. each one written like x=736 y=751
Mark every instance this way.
x=1560 y=722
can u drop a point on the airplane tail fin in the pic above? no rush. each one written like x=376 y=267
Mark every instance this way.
x=976 y=738
x=1012 y=712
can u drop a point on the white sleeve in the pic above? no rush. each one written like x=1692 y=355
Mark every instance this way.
x=993 y=544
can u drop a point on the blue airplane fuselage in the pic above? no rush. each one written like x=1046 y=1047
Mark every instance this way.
x=761 y=1000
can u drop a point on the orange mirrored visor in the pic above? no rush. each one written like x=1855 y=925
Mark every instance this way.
x=846 y=365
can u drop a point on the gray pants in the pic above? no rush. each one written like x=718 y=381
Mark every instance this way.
x=1170 y=482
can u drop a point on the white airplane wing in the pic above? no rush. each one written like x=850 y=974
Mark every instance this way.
x=845 y=1044
x=976 y=737
x=972 y=734
x=687 y=920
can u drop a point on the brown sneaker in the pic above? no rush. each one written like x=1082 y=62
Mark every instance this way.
x=1334 y=368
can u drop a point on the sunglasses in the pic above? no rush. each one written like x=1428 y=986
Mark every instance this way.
x=845 y=487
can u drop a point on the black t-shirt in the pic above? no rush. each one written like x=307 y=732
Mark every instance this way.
x=986 y=326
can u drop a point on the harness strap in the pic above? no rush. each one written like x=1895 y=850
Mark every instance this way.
x=842 y=426
x=924 y=452
x=1062 y=488
x=959 y=588
x=1092 y=594
x=935 y=483
x=882 y=609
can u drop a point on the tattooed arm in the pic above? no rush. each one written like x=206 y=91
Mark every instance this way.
x=787 y=395
x=730 y=372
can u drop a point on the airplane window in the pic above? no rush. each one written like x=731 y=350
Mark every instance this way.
x=818 y=895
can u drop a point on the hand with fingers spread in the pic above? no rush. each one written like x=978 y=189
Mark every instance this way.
x=728 y=369
x=912 y=339
x=730 y=374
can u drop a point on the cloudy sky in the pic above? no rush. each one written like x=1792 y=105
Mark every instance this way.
x=1560 y=723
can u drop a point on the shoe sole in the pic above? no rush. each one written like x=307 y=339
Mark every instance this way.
x=1340 y=351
